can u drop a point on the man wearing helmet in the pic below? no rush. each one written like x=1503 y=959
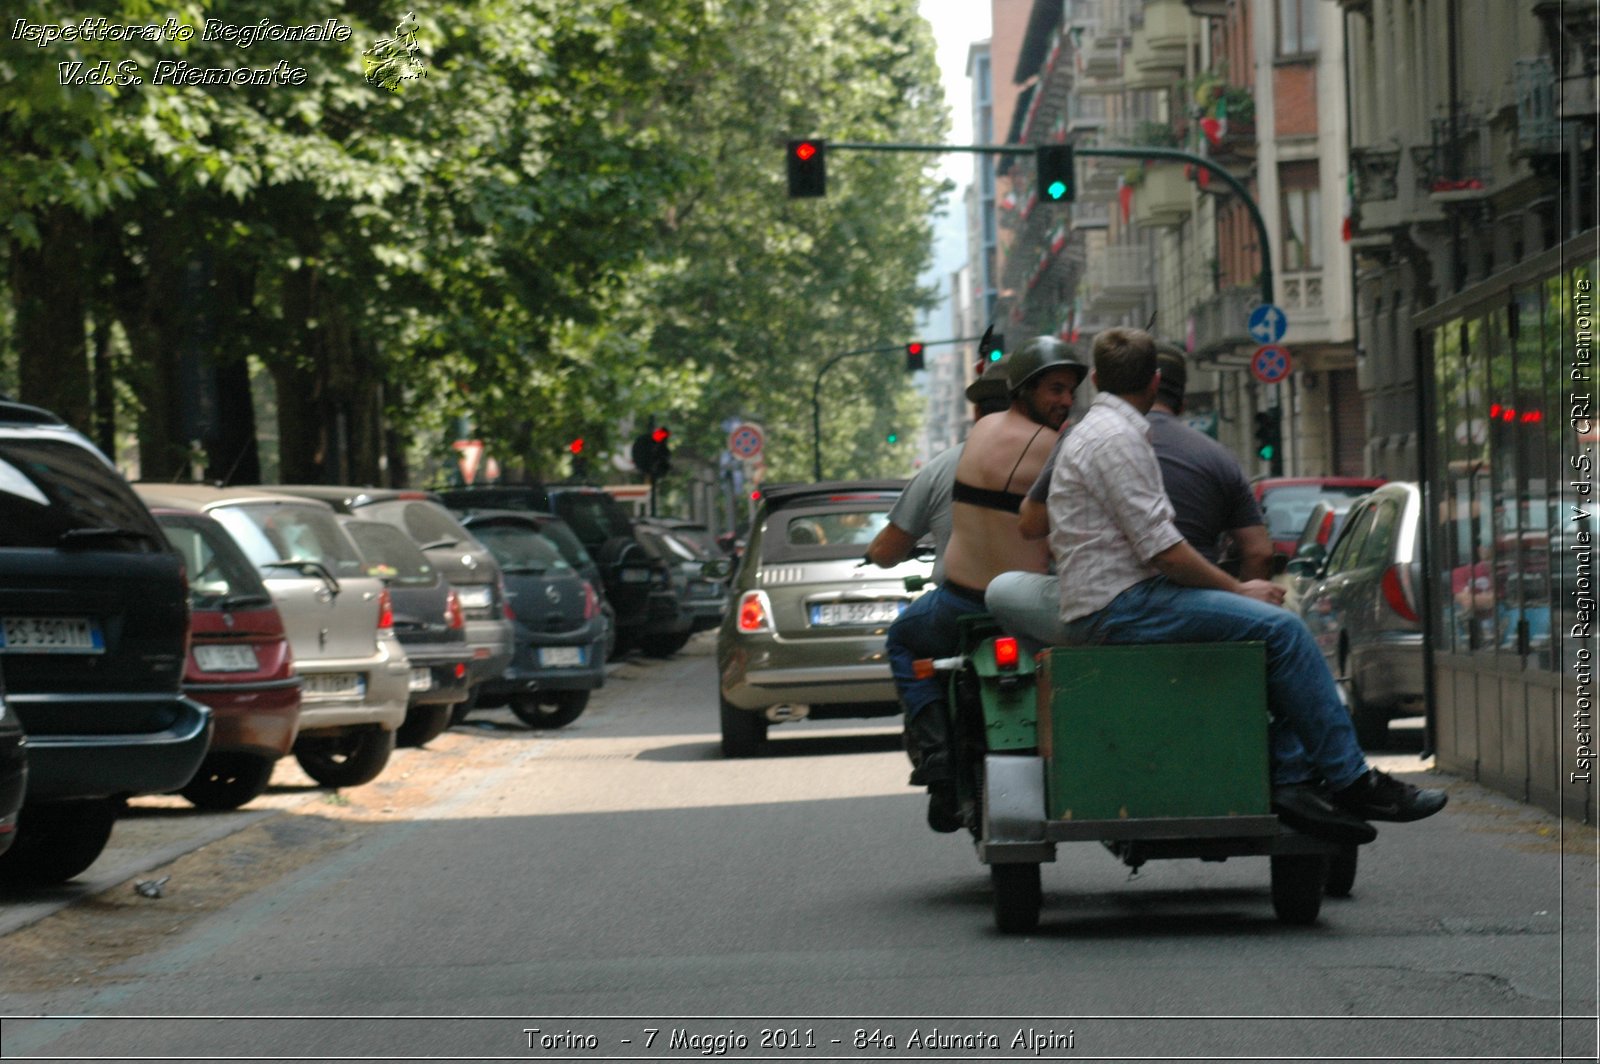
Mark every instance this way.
x=1002 y=455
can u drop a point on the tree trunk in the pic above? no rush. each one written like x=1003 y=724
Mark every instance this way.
x=48 y=290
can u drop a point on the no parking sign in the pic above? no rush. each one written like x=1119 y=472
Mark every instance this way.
x=1271 y=364
x=745 y=442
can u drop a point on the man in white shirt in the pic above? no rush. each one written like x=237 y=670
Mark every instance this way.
x=1128 y=576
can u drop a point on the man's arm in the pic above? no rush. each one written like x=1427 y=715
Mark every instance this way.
x=1182 y=564
x=1033 y=520
x=1255 y=551
x=890 y=547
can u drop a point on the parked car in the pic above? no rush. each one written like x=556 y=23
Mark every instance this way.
x=688 y=546
x=354 y=673
x=429 y=623
x=1286 y=503
x=239 y=663
x=561 y=632
x=469 y=568
x=13 y=771
x=1311 y=549
x=804 y=635
x=94 y=624
x=1364 y=609
x=649 y=613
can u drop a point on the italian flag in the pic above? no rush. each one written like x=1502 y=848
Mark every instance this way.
x=1349 y=206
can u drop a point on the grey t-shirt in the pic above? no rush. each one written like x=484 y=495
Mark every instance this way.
x=1209 y=492
x=924 y=507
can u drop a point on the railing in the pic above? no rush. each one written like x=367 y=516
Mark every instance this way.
x=1300 y=291
x=1539 y=126
x=1457 y=161
x=1376 y=173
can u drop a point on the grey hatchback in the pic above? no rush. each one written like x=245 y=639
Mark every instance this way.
x=804 y=634
x=1363 y=608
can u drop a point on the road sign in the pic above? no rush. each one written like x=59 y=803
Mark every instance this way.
x=1271 y=364
x=1268 y=323
x=746 y=442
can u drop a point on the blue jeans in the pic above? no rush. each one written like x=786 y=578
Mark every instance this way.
x=928 y=628
x=1311 y=734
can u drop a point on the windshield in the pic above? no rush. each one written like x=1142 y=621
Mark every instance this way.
x=520 y=548
x=594 y=516
x=220 y=576
x=423 y=520
x=1286 y=509
x=274 y=532
x=391 y=555
x=52 y=487
x=571 y=547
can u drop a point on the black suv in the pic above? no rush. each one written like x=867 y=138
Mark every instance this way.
x=94 y=629
x=649 y=609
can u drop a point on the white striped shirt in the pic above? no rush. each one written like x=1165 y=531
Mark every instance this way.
x=1109 y=514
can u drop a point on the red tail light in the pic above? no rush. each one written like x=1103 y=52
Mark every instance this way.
x=1005 y=652
x=1397 y=592
x=505 y=601
x=591 y=602
x=753 y=612
x=385 y=609
x=454 y=618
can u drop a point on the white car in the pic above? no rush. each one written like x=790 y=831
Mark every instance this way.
x=355 y=675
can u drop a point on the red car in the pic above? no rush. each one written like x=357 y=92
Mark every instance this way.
x=239 y=663
x=1286 y=503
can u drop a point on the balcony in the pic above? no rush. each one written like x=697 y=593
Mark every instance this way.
x=1125 y=275
x=1376 y=173
x=1091 y=215
x=1456 y=165
x=1164 y=199
x=1540 y=130
x=1160 y=46
x=1223 y=321
x=1085 y=111
x=1300 y=292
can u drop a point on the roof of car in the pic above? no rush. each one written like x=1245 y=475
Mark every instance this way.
x=1265 y=483
x=781 y=495
x=346 y=497
x=16 y=413
x=200 y=496
x=476 y=516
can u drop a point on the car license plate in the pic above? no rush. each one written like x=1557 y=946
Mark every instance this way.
x=334 y=685
x=475 y=598
x=636 y=576
x=556 y=657
x=421 y=679
x=226 y=659
x=51 y=635
x=882 y=611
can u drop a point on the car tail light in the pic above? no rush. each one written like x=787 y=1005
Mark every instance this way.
x=1397 y=592
x=454 y=618
x=385 y=610
x=591 y=602
x=1005 y=652
x=505 y=600
x=1326 y=531
x=753 y=612
x=461 y=671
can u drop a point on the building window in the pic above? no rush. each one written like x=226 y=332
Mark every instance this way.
x=1297 y=27
x=1302 y=216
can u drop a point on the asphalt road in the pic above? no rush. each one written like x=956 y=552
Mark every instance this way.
x=508 y=894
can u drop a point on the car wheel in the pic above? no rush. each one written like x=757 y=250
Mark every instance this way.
x=227 y=781
x=663 y=646
x=1298 y=882
x=1017 y=897
x=744 y=731
x=345 y=760
x=1342 y=872
x=423 y=724
x=57 y=840
x=554 y=709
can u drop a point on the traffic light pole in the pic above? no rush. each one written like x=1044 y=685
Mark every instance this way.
x=816 y=389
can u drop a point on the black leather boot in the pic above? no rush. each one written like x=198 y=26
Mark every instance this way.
x=928 y=744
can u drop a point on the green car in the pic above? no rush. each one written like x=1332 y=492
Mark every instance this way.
x=804 y=633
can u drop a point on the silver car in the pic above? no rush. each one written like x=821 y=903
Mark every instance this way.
x=355 y=674
x=1364 y=609
x=804 y=633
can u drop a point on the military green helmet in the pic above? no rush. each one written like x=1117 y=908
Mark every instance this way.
x=1040 y=355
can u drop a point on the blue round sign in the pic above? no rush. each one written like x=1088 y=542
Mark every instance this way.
x=1268 y=323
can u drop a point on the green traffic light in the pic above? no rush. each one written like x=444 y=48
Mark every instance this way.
x=893 y=437
x=1266 y=453
x=1056 y=189
x=995 y=356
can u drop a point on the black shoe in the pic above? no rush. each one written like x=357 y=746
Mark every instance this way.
x=943 y=816
x=927 y=738
x=1379 y=796
x=1306 y=807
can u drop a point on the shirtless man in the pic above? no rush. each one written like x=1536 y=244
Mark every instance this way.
x=1002 y=456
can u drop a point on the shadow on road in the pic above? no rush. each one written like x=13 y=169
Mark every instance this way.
x=790 y=746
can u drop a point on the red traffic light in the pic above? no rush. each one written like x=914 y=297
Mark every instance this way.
x=660 y=434
x=755 y=495
x=805 y=150
x=914 y=348
x=914 y=360
x=576 y=446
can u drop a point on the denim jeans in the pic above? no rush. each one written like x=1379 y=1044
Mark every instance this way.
x=928 y=628
x=1311 y=734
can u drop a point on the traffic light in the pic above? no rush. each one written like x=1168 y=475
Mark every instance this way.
x=892 y=436
x=651 y=455
x=992 y=348
x=1269 y=437
x=808 y=168
x=1057 y=178
x=914 y=360
x=576 y=446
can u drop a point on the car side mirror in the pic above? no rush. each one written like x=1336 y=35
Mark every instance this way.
x=717 y=569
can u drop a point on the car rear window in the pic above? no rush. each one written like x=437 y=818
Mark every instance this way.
x=219 y=573
x=571 y=547
x=424 y=521
x=594 y=516
x=1287 y=508
x=391 y=555
x=49 y=488
x=822 y=533
x=275 y=532
x=520 y=548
